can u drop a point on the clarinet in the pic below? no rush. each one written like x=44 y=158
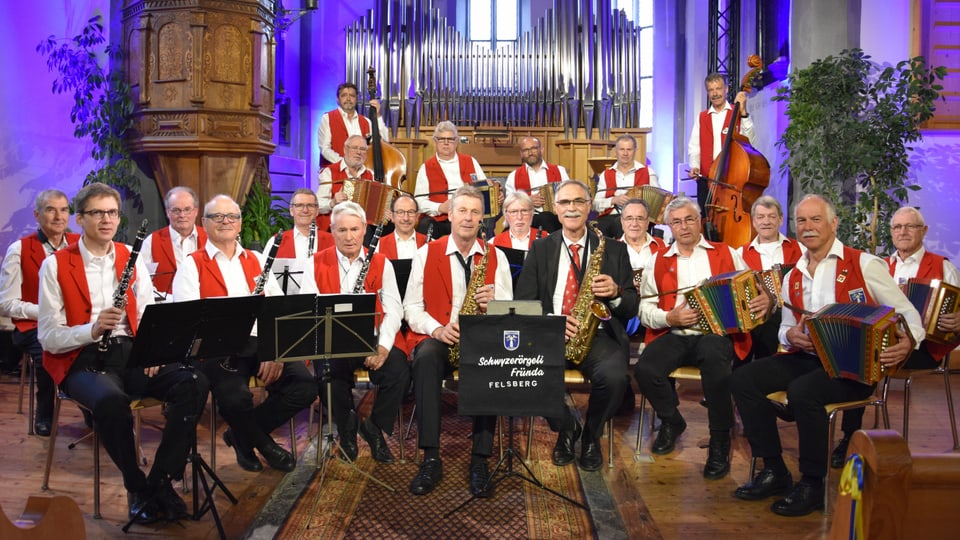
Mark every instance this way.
x=429 y=233
x=358 y=286
x=312 y=239
x=120 y=293
x=262 y=280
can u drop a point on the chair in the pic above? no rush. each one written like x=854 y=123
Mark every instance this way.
x=44 y=518
x=686 y=373
x=907 y=375
x=255 y=382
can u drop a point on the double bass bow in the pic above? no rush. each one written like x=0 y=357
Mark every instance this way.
x=736 y=179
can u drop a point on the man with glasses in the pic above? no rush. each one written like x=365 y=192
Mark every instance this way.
x=614 y=182
x=440 y=176
x=553 y=273
x=222 y=267
x=531 y=176
x=404 y=241
x=299 y=242
x=344 y=121
x=20 y=288
x=518 y=211
x=76 y=316
x=166 y=248
x=911 y=260
x=350 y=167
x=672 y=340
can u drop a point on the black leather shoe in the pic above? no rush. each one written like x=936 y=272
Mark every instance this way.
x=42 y=428
x=718 y=459
x=765 y=484
x=277 y=457
x=839 y=455
x=427 y=478
x=171 y=504
x=804 y=499
x=667 y=437
x=142 y=508
x=348 y=437
x=591 y=458
x=378 y=445
x=480 y=485
x=563 y=451
x=245 y=458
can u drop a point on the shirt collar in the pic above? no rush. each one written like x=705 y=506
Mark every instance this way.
x=452 y=247
x=213 y=250
x=88 y=257
x=780 y=239
x=454 y=159
x=726 y=107
x=175 y=236
x=344 y=261
x=915 y=257
x=344 y=168
x=673 y=251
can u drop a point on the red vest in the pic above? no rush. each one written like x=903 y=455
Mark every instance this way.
x=706 y=139
x=161 y=251
x=32 y=255
x=76 y=301
x=337 y=174
x=849 y=278
x=665 y=274
x=438 y=284
x=521 y=179
x=338 y=129
x=931 y=267
x=288 y=249
x=388 y=244
x=640 y=178
x=438 y=181
x=211 y=279
x=503 y=239
x=791 y=254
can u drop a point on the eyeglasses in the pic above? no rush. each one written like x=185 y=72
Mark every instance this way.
x=304 y=206
x=570 y=202
x=181 y=211
x=519 y=212
x=448 y=140
x=410 y=213
x=355 y=148
x=905 y=226
x=223 y=218
x=634 y=219
x=100 y=214
x=689 y=221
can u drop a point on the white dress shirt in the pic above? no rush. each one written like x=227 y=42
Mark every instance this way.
x=639 y=257
x=624 y=182
x=406 y=247
x=564 y=262
x=11 y=282
x=717 y=118
x=413 y=308
x=182 y=246
x=538 y=177
x=907 y=268
x=301 y=243
x=53 y=332
x=451 y=170
x=325 y=138
x=771 y=253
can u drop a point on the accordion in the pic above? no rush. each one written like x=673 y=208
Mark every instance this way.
x=490 y=191
x=850 y=337
x=547 y=191
x=656 y=199
x=772 y=280
x=722 y=303
x=374 y=197
x=933 y=299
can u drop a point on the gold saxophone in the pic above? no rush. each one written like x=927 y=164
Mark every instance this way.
x=588 y=311
x=470 y=306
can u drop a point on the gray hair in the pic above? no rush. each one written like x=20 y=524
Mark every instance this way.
x=218 y=197
x=181 y=189
x=831 y=208
x=47 y=195
x=304 y=191
x=909 y=210
x=347 y=208
x=520 y=197
x=681 y=202
x=465 y=191
x=445 y=127
x=626 y=137
x=768 y=202
x=572 y=182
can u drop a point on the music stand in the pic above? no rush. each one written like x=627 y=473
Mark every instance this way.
x=322 y=328
x=290 y=278
x=521 y=333
x=181 y=332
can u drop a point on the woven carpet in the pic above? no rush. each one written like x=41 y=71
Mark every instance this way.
x=348 y=505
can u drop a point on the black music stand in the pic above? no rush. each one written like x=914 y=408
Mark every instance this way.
x=539 y=341
x=181 y=332
x=286 y=277
x=322 y=328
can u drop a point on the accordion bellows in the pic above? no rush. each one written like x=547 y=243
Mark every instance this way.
x=723 y=302
x=850 y=337
x=657 y=200
x=933 y=299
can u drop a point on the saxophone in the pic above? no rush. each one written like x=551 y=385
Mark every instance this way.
x=588 y=311
x=470 y=306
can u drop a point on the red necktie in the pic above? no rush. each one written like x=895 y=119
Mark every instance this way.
x=572 y=289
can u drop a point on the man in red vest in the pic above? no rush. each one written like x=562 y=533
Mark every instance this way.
x=435 y=294
x=338 y=124
x=330 y=189
x=770 y=247
x=301 y=241
x=87 y=341
x=553 y=273
x=710 y=129
x=222 y=267
x=532 y=175
x=20 y=287
x=673 y=340
x=614 y=182
x=518 y=211
x=336 y=271
x=911 y=260
x=440 y=176
x=827 y=273
x=641 y=245
x=166 y=248
x=404 y=241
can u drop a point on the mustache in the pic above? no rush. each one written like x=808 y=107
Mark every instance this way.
x=810 y=234
x=572 y=214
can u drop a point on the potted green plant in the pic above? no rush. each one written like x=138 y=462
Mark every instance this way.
x=851 y=125
x=261 y=219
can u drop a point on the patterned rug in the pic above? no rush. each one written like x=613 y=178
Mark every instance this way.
x=349 y=505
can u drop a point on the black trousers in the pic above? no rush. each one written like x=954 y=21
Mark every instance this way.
x=251 y=425
x=809 y=389
x=392 y=380
x=606 y=367
x=766 y=339
x=28 y=343
x=108 y=393
x=431 y=363
x=713 y=354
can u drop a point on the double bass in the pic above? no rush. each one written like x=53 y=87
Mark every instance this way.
x=388 y=164
x=737 y=178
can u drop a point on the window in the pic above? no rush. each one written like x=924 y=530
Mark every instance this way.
x=493 y=21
